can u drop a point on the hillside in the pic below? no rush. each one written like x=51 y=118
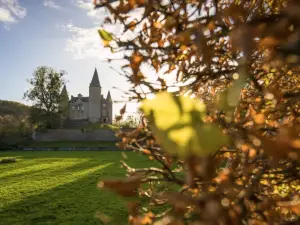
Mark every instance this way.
x=13 y=108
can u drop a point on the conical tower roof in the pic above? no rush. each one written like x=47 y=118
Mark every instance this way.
x=64 y=93
x=64 y=90
x=95 y=81
x=108 y=95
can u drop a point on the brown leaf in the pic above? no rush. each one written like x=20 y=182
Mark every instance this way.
x=127 y=187
x=123 y=110
x=268 y=42
x=259 y=118
x=295 y=143
x=132 y=25
x=171 y=68
x=146 y=151
x=280 y=146
x=170 y=22
x=294 y=206
x=133 y=208
x=118 y=118
x=162 y=82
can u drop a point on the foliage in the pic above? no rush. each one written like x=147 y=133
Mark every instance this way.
x=45 y=94
x=241 y=59
x=130 y=121
x=13 y=108
x=96 y=126
x=14 y=131
x=59 y=187
x=8 y=160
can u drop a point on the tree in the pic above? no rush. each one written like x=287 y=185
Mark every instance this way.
x=130 y=121
x=45 y=93
x=231 y=153
x=14 y=130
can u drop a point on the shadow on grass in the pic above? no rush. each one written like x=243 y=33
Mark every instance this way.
x=21 y=163
x=49 y=171
x=72 y=203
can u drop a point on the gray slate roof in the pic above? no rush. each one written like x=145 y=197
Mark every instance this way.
x=74 y=99
x=95 y=81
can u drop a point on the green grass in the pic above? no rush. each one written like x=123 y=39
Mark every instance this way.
x=61 y=187
x=52 y=144
x=97 y=126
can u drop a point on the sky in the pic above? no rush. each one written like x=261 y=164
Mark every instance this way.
x=58 y=33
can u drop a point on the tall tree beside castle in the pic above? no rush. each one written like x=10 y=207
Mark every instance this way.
x=45 y=94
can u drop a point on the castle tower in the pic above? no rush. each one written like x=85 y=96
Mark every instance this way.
x=64 y=105
x=64 y=101
x=95 y=98
x=109 y=107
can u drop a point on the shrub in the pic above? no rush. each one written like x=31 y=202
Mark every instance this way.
x=97 y=126
x=235 y=100
x=14 y=131
x=8 y=160
x=130 y=122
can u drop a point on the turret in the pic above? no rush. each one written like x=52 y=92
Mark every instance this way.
x=95 y=98
x=64 y=101
x=109 y=107
x=64 y=105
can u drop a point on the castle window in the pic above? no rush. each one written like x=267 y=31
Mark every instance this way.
x=79 y=108
x=104 y=105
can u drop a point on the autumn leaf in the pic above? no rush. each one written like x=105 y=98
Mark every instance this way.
x=162 y=82
x=127 y=187
x=132 y=25
x=170 y=22
x=106 y=36
x=293 y=205
x=176 y=120
x=268 y=42
x=123 y=110
x=146 y=151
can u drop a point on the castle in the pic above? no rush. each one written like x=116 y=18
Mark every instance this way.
x=94 y=108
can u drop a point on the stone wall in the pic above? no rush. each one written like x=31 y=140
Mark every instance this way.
x=76 y=135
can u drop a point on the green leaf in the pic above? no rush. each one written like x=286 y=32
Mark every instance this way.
x=106 y=36
x=178 y=124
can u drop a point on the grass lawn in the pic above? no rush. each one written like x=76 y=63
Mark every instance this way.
x=59 y=187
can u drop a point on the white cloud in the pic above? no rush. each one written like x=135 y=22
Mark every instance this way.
x=84 y=4
x=51 y=4
x=84 y=43
x=11 y=12
x=96 y=15
x=5 y=16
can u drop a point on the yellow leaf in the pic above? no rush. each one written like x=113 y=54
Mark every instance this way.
x=106 y=37
x=177 y=122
